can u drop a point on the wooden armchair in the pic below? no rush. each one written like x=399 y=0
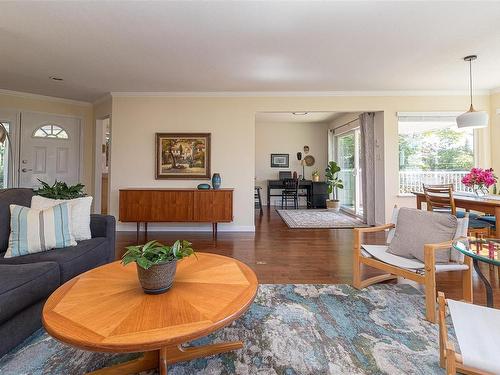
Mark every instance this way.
x=477 y=334
x=394 y=266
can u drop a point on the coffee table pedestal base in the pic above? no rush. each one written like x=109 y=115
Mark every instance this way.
x=159 y=359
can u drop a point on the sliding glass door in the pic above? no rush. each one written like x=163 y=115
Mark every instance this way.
x=347 y=156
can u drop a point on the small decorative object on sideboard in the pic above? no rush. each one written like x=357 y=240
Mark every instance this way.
x=315 y=176
x=203 y=187
x=216 y=181
x=157 y=263
x=479 y=180
x=334 y=183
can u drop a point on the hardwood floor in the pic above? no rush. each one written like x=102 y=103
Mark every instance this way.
x=279 y=255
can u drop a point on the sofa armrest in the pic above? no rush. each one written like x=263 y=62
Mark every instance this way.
x=104 y=226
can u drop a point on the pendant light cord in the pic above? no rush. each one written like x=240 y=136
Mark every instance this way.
x=470 y=80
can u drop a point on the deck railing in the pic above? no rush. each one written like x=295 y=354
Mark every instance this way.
x=413 y=180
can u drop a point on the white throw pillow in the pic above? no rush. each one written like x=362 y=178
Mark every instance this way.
x=80 y=213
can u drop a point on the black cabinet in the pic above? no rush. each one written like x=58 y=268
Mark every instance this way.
x=319 y=194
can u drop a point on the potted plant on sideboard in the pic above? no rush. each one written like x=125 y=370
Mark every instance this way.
x=157 y=263
x=334 y=183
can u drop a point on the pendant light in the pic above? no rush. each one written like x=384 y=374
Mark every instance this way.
x=472 y=118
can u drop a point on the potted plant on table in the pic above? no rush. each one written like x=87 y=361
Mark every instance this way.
x=157 y=263
x=334 y=183
x=315 y=176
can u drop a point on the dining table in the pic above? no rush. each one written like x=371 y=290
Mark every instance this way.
x=488 y=204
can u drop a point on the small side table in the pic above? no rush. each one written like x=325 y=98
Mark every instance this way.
x=485 y=250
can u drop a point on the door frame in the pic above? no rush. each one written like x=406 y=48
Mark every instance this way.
x=355 y=131
x=98 y=124
x=81 y=163
x=13 y=117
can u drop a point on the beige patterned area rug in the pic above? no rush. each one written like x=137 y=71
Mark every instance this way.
x=314 y=219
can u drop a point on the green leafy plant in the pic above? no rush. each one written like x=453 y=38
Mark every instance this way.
x=332 y=179
x=60 y=190
x=154 y=252
x=315 y=173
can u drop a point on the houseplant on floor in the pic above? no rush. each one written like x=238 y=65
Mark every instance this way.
x=157 y=263
x=334 y=183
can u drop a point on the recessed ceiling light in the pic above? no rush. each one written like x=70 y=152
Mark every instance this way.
x=300 y=113
x=56 y=78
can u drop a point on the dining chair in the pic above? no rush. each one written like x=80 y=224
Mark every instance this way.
x=478 y=336
x=439 y=198
x=290 y=192
x=257 y=197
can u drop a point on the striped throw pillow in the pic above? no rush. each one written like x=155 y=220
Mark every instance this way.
x=34 y=231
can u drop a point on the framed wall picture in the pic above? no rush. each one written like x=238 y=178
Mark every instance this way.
x=280 y=160
x=183 y=155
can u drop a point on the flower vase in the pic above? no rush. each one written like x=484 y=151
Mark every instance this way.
x=216 y=181
x=480 y=191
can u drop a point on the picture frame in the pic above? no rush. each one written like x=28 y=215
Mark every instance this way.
x=183 y=156
x=280 y=160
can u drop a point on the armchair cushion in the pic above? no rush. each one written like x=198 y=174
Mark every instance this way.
x=380 y=252
x=416 y=228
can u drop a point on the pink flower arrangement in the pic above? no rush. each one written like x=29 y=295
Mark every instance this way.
x=479 y=179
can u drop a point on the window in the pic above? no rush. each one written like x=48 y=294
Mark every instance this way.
x=432 y=150
x=50 y=131
x=4 y=156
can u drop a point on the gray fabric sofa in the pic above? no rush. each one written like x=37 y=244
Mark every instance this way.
x=27 y=281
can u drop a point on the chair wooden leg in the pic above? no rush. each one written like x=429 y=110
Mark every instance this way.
x=443 y=331
x=356 y=264
x=451 y=366
x=430 y=287
x=468 y=294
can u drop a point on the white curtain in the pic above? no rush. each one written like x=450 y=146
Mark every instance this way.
x=367 y=163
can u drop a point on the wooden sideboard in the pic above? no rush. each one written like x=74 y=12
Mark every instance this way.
x=176 y=205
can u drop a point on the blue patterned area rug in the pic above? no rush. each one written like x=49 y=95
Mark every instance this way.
x=290 y=329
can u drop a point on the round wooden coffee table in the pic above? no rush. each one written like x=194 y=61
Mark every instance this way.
x=105 y=310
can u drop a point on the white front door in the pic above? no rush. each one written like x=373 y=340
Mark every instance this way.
x=49 y=149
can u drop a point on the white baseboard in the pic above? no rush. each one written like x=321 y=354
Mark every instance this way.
x=175 y=227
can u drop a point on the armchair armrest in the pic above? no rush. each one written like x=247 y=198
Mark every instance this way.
x=380 y=228
x=430 y=253
x=358 y=232
x=104 y=226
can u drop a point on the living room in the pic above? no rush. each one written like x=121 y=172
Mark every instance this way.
x=187 y=93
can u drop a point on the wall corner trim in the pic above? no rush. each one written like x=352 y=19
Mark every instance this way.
x=296 y=93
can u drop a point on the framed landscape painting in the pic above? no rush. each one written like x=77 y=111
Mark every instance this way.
x=182 y=155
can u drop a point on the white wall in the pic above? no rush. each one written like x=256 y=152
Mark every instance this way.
x=288 y=138
x=231 y=120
